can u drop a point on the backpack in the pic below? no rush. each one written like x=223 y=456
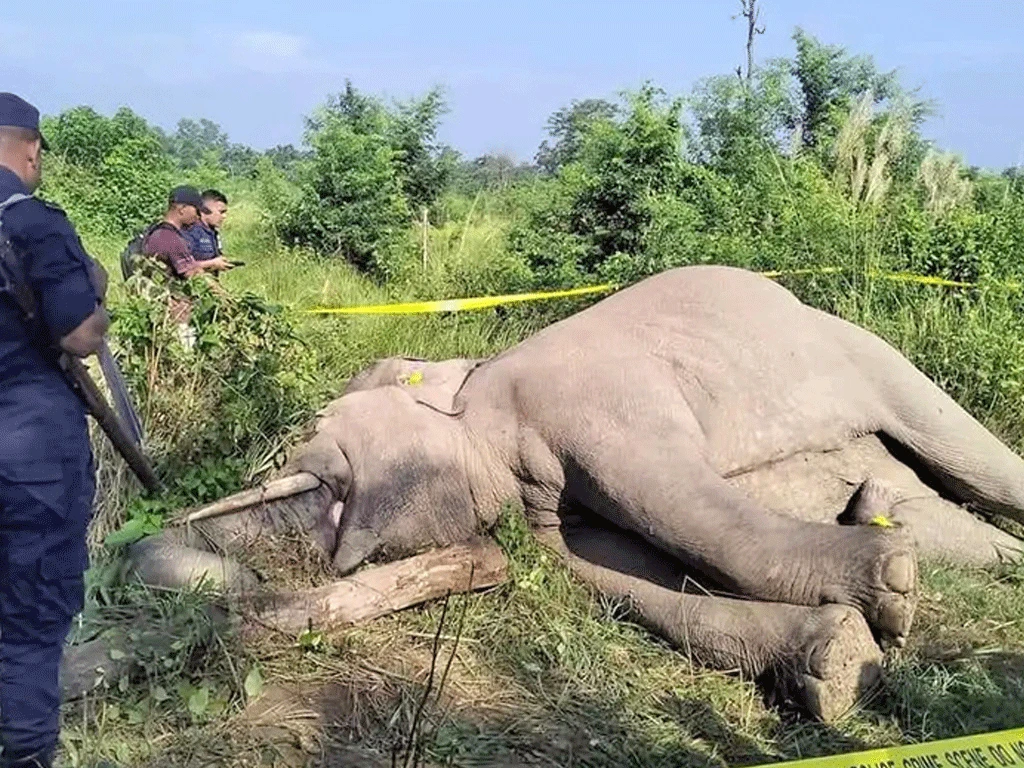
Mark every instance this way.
x=133 y=251
x=14 y=284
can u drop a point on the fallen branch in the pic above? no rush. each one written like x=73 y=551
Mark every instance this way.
x=383 y=589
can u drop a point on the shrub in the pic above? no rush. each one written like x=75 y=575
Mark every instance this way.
x=350 y=202
x=371 y=169
x=567 y=128
x=600 y=205
x=111 y=175
x=248 y=379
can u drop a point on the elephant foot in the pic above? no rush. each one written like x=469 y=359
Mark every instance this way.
x=871 y=504
x=835 y=664
x=878 y=575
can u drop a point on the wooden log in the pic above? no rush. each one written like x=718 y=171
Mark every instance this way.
x=379 y=590
x=272 y=491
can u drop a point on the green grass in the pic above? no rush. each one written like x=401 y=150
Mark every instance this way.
x=545 y=668
x=544 y=671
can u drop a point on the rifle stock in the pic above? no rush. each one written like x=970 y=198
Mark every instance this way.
x=97 y=406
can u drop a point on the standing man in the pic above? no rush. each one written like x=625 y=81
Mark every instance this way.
x=47 y=479
x=204 y=235
x=167 y=240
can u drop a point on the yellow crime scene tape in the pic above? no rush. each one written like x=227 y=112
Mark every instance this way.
x=459 y=305
x=486 y=302
x=984 y=750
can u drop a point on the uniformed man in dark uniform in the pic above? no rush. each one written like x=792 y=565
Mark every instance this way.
x=46 y=466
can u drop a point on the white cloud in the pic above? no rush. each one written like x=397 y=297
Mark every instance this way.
x=271 y=52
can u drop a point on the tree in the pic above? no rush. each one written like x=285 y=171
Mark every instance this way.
x=625 y=162
x=285 y=157
x=567 y=127
x=194 y=141
x=351 y=202
x=830 y=82
x=493 y=171
x=600 y=206
x=738 y=122
x=425 y=165
x=240 y=160
x=422 y=164
x=111 y=174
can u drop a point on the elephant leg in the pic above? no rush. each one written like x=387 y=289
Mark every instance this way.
x=822 y=659
x=967 y=459
x=939 y=528
x=660 y=490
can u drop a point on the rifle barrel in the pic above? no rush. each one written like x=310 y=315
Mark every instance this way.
x=110 y=424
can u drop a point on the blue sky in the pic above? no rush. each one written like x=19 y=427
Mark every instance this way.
x=256 y=67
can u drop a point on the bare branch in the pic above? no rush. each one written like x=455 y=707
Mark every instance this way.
x=752 y=13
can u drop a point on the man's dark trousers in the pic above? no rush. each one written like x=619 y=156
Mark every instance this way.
x=43 y=554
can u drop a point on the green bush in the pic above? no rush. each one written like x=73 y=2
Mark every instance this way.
x=600 y=205
x=248 y=378
x=111 y=175
x=350 y=202
x=370 y=170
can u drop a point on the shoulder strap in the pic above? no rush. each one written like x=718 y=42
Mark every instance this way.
x=17 y=197
x=135 y=249
x=13 y=281
x=154 y=227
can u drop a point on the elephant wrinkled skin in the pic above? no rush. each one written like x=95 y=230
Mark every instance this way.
x=703 y=421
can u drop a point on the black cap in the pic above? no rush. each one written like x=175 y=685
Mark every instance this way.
x=15 y=112
x=188 y=196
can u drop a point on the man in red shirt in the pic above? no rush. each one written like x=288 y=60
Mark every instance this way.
x=167 y=242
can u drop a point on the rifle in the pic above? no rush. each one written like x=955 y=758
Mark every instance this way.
x=83 y=385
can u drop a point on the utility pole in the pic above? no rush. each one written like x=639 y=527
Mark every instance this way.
x=750 y=11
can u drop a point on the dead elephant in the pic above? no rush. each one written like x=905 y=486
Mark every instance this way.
x=701 y=421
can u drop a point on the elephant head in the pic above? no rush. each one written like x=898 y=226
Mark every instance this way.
x=386 y=472
x=398 y=473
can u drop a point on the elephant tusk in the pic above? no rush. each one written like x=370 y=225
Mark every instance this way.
x=275 y=489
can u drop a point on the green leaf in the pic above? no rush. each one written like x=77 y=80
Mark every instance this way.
x=122 y=752
x=198 y=701
x=134 y=529
x=311 y=640
x=253 y=683
x=130 y=532
x=116 y=654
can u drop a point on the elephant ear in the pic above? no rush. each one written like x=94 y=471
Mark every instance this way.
x=432 y=384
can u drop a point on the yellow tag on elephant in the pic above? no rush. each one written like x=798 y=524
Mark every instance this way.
x=414 y=379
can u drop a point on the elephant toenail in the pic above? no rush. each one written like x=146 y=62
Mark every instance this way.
x=895 y=615
x=899 y=573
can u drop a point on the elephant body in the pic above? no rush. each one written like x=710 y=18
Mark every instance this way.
x=701 y=422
